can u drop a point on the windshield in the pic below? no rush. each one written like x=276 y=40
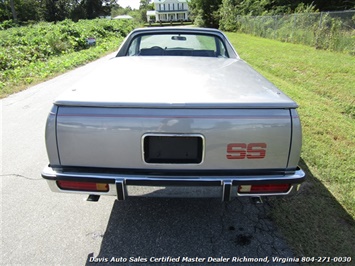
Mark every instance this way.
x=177 y=45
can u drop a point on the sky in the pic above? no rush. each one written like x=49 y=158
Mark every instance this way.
x=134 y=4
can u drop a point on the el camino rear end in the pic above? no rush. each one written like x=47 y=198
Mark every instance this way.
x=193 y=148
x=174 y=126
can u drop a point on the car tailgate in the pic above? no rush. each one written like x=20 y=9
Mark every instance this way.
x=229 y=139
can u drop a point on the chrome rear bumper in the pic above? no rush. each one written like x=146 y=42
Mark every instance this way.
x=185 y=186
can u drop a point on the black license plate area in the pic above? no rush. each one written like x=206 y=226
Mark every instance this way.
x=173 y=149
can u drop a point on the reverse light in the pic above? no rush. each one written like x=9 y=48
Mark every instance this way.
x=268 y=188
x=82 y=186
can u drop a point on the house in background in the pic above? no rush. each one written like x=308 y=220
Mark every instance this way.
x=169 y=10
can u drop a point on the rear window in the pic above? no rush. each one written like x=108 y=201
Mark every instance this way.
x=177 y=45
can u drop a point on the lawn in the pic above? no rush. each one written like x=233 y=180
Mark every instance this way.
x=319 y=221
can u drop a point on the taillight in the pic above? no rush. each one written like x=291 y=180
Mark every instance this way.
x=270 y=188
x=82 y=186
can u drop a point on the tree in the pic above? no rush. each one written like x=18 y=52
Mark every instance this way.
x=228 y=13
x=205 y=12
x=143 y=4
x=20 y=10
x=92 y=8
x=14 y=15
x=50 y=10
x=272 y=7
x=89 y=9
x=333 y=5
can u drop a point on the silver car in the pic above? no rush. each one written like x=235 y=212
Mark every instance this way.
x=176 y=113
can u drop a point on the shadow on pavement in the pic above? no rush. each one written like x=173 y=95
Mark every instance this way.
x=149 y=229
x=313 y=221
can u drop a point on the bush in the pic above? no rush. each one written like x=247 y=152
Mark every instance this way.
x=334 y=31
x=20 y=46
x=7 y=24
x=35 y=52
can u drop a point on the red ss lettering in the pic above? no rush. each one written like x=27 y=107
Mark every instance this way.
x=236 y=151
x=242 y=151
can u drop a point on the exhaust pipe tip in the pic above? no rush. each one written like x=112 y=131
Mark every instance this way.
x=257 y=200
x=93 y=198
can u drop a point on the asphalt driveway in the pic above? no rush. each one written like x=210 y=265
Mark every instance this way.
x=39 y=227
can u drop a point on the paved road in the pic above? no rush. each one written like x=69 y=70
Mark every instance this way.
x=44 y=228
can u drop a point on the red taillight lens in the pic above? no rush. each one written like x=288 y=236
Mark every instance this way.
x=82 y=186
x=271 y=188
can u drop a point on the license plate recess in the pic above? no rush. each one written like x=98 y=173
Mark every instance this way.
x=173 y=149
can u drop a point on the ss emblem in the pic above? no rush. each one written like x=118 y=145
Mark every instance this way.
x=241 y=151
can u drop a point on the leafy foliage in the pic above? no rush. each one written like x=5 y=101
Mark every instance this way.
x=54 y=10
x=205 y=12
x=323 y=30
x=27 y=52
x=223 y=13
x=23 y=45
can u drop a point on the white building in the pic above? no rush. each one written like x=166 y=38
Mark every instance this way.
x=169 y=10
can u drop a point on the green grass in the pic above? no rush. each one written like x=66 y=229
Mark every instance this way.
x=19 y=79
x=31 y=54
x=327 y=31
x=319 y=221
